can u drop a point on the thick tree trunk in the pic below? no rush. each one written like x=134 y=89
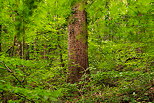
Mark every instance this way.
x=77 y=44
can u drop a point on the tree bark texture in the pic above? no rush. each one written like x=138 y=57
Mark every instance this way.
x=77 y=44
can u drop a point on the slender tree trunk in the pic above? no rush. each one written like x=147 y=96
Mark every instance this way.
x=17 y=48
x=19 y=39
x=60 y=53
x=27 y=53
x=77 y=44
x=44 y=52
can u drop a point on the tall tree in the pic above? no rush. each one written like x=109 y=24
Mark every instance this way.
x=22 y=18
x=77 y=43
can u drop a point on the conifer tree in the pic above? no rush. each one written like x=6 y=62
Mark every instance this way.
x=77 y=43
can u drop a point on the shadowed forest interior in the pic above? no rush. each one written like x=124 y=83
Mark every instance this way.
x=76 y=51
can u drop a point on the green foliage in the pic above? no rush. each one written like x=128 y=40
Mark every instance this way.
x=30 y=75
x=38 y=94
x=121 y=54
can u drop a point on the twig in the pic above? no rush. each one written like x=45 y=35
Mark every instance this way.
x=24 y=97
x=10 y=71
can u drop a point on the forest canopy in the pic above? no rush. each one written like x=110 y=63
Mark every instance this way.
x=76 y=51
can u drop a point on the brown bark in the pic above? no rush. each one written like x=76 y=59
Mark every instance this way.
x=77 y=44
x=17 y=48
x=20 y=48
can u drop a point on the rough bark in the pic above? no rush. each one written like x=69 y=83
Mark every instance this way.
x=77 y=44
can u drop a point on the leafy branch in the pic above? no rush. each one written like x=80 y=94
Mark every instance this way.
x=12 y=73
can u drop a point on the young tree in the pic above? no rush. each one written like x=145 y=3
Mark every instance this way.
x=77 y=43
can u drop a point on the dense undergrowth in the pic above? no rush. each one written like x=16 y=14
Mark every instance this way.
x=37 y=81
x=120 y=52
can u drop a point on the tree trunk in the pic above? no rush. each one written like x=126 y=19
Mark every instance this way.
x=44 y=51
x=27 y=51
x=18 y=46
x=77 y=44
x=17 y=52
